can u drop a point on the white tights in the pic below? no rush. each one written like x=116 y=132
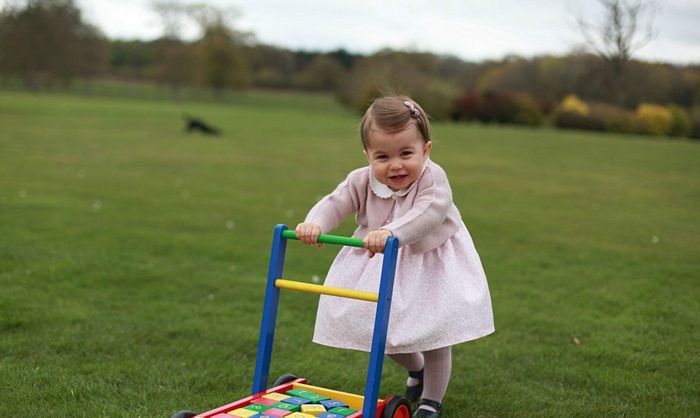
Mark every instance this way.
x=438 y=367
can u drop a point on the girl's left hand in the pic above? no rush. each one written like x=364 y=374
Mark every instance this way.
x=375 y=241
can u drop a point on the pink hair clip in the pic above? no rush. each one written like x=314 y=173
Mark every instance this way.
x=412 y=107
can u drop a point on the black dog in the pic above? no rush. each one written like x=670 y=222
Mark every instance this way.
x=198 y=125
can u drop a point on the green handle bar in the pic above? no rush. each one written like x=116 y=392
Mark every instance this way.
x=327 y=239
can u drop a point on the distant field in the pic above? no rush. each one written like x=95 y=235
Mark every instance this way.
x=133 y=259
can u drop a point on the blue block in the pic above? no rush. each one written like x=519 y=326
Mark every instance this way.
x=328 y=415
x=295 y=400
x=333 y=404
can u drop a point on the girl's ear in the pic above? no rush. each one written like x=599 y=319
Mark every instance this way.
x=364 y=151
x=426 y=149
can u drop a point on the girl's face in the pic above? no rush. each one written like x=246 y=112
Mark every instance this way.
x=397 y=159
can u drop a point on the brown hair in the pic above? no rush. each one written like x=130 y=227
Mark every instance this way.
x=394 y=114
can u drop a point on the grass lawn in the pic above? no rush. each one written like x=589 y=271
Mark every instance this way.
x=133 y=259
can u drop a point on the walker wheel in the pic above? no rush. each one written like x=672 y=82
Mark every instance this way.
x=285 y=378
x=397 y=407
x=184 y=414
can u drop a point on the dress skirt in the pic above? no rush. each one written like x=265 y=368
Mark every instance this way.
x=440 y=298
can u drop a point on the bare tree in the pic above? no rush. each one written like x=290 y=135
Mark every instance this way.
x=626 y=26
x=171 y=13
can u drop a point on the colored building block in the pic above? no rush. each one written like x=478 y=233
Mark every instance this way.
x=258 y=408
x=329 y=415
x=242 y=413
x=296 y=400
x=307 y=394
x=264 y=401
x=313 y=409
x=275 y=412
x=287 y=406
x=333 y=403
x=219 y=416
x=299 y=415
x=299 y=392
x=343 y=411
x=263 y=415
x=276 y=396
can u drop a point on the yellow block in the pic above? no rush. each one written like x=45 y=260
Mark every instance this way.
x=276 y=396
x=313 y=409
x=299 y=415
x=243 y=413
x=353 y=401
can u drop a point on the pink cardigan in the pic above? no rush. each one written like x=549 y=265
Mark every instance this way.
x=423 y=218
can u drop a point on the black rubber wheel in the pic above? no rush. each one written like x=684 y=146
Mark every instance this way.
x=285 y=378
x=397 y=407
x=184 y=414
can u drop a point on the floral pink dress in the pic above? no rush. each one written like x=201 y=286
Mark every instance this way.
x=441 y=296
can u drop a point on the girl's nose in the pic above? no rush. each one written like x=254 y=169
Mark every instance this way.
x=396 y=164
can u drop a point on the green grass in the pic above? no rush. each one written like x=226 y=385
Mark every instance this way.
x=133 y=259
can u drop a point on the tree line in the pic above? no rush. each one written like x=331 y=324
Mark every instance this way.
x=514 y=89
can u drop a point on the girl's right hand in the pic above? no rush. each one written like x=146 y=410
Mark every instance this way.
x=308 y=233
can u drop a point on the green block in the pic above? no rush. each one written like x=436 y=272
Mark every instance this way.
x=257 y=407
x=342 y=411
x=286 y=407
x=307 y=394
x=299 y=392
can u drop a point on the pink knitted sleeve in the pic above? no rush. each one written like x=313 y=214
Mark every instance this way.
x=432 y=203
x=330 y=211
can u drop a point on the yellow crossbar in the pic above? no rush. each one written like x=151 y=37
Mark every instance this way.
x=326 y=290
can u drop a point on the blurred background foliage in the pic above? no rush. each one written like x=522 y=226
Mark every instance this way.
x=581 y=90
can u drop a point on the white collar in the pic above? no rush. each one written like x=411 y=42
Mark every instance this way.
x=383 y=191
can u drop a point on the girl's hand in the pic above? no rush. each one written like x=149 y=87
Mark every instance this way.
x=308 y=233
x=375 y=241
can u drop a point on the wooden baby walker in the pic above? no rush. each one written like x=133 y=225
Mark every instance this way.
x=291 y=396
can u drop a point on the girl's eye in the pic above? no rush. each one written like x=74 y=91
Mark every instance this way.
x=382 y=157
x=406 y=154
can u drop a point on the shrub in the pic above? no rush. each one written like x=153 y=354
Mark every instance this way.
x=467 y=107
x=681 y=124
x=614 y=118
x=498 y=107
x=695 y=121
x=574 y=120
x=654 y=119
x=573 y=104
x=529 y=112
x=436 y=97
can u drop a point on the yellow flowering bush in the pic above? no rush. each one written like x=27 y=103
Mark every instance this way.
x=654 y=119
x=573 y=104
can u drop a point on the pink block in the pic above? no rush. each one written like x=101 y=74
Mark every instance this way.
x=264 y=401
x=277 y=412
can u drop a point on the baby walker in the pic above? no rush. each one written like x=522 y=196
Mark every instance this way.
x=292 y=397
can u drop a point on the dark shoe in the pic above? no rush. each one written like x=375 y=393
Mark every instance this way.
x=413 y=393
x=424 y=413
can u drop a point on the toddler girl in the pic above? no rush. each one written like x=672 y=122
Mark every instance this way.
x=440 y=296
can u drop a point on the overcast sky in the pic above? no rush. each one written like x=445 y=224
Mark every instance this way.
x=470 y=29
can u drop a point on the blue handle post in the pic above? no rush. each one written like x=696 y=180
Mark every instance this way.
x=381 y=325
x=269 y=318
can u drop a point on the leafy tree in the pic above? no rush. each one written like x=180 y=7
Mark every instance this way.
x=271 y=66
x=130 y=59
x=221 y=61
x=220 y=53
x=323 y=73
x=47 y=40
